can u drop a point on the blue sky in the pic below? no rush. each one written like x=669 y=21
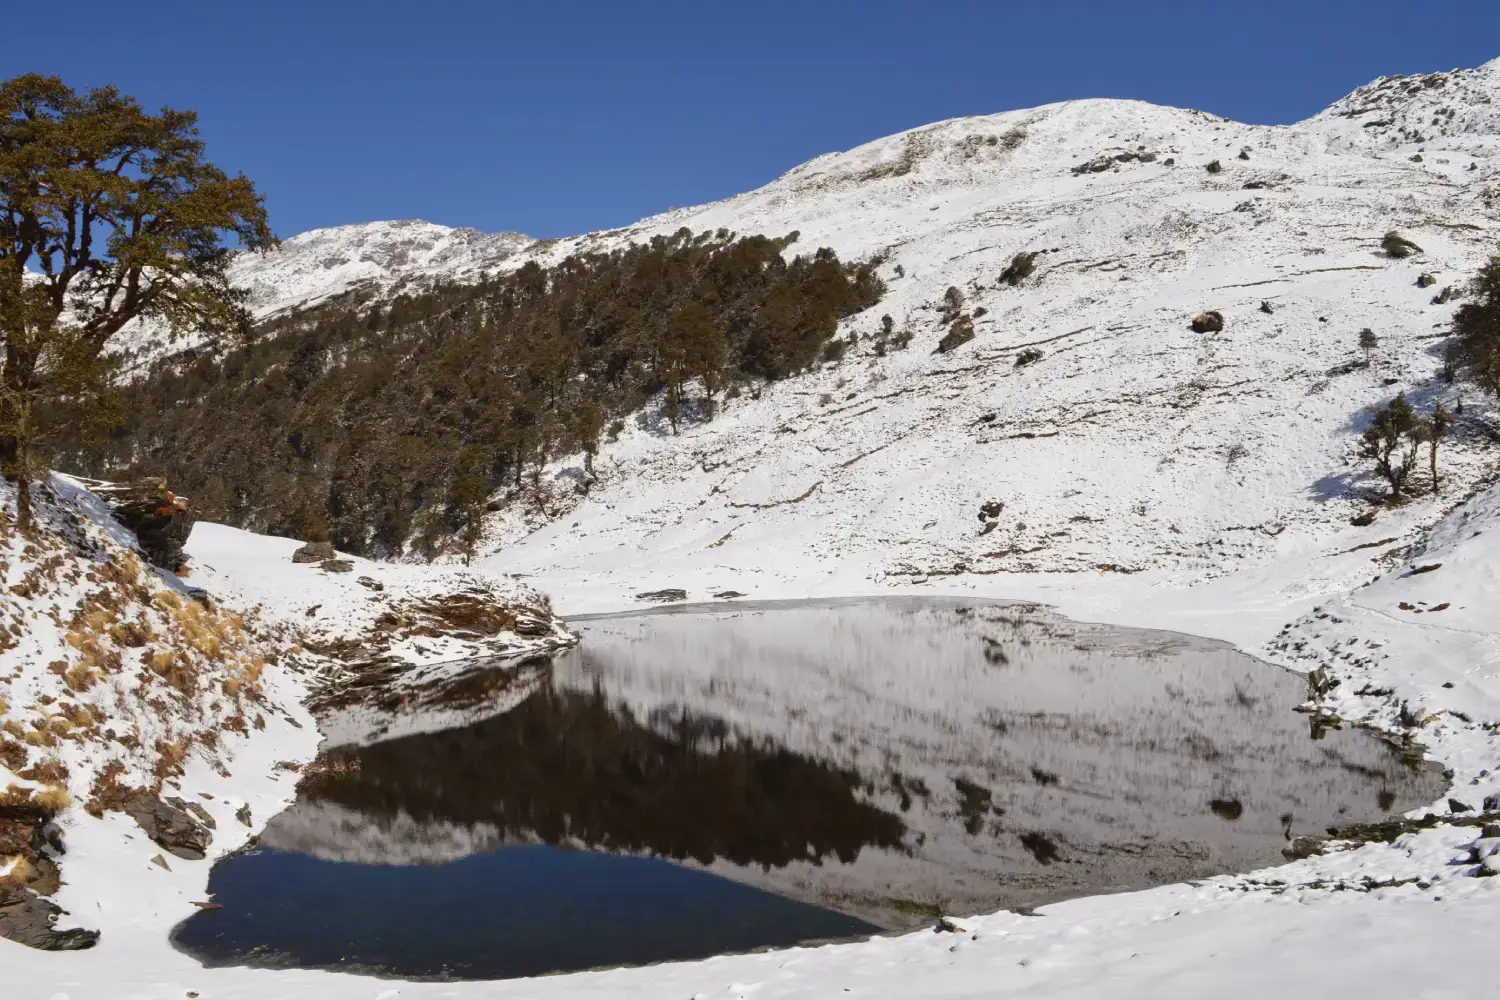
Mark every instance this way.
x=556 y=118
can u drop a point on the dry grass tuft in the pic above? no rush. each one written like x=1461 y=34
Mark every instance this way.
x=52 y=799
x=15 y=870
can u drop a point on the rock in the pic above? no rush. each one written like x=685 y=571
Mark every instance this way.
x=1444 y=296
x=1458 y=806
x=1029 y=356
x=1398 y=246
x=960 y=333
x=1363 y=520
x=955 y=925
x=170 y=823
x=1492 y=803
x=1304 y=847
x=27 y=918
x=1425 y=281
x=1207 y=322
x=1491 y=830
x=314 y=552
x=336 y=566
x=161 y=862
x=196 y=809
x=1415 y=570
x=1213 y=166
x=1266 y=307
x=1020 y=268
x=725 y=595
x=161 y=520
x=373 y=584
x=1245 y=153
x=990 y=510
x=668 y=594
x=530 y=625
x=243 y=814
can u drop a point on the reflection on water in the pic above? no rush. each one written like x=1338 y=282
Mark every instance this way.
x=884 y=759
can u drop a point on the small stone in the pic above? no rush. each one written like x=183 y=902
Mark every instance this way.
x=161 y=862
x=1425 y=281
x=1492 y=803
x=1455 y=805
x=725 y=595
x=243 y=814
x=1490 y=830
x=1491 y=864
x=336 y=566
x=955 y=925
x=370 y=582
x=1266 y=307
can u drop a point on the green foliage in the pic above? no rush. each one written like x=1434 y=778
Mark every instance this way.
x=1368 y=341
x=399 y=419
x=1391 y=442
x=1476 y=330
x=119 y=217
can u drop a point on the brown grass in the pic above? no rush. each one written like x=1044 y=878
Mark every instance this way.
x=20 y=870
x=52 y=799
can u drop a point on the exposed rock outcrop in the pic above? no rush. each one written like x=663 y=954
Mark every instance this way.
x=161 y=520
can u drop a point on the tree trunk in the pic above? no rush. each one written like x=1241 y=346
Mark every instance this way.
x=15 y=453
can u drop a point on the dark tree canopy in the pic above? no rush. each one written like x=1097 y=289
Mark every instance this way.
x=1476 y=329
x=398 y=419
x=107 y=214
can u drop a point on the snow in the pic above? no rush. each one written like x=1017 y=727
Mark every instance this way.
x=1151 y=477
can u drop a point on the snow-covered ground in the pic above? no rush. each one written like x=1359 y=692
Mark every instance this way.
x=1150 y=476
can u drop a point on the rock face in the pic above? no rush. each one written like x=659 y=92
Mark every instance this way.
x=26 y=917
x=183 y=828
x=161 y=519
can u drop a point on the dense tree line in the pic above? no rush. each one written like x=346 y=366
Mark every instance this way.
x=392 y=423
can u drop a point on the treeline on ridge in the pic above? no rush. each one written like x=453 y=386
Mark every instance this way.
x=388 y=425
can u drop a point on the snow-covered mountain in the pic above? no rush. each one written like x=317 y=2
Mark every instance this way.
x=1132 y=443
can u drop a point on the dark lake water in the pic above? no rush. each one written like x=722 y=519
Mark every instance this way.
x=702 y=781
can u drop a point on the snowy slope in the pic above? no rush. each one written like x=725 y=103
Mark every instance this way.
x=312 y=266
x=1133 y=444
x=1151 y=476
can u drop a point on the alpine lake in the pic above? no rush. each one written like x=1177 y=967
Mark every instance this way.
x=700 y=780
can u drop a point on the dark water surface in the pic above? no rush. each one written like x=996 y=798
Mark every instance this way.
x=709 y=780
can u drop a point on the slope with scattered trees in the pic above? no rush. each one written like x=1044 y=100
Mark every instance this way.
x=394 y=422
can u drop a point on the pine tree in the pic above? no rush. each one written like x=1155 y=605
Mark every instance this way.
x=1368 y=341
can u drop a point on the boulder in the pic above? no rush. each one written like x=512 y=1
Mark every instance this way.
x=314 y=552
x=27 y=918
x=337 y=566
x=1020 y=268
x=174 y=824
x=161 y=520
x=1211 y=321
x=1398 y=246
x=668 y=594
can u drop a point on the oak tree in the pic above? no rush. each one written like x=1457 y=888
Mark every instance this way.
x=108 y=214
